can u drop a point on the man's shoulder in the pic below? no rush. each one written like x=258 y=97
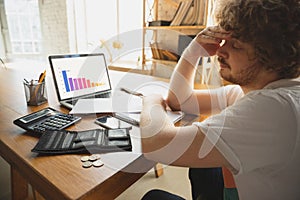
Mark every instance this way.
x=284 y=101
x=281 y=90
x=284 y=83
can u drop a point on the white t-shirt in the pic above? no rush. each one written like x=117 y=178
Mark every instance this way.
x=259 y=135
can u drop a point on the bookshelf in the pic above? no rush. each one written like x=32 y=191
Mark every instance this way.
x=177 y=21
x=196 y=27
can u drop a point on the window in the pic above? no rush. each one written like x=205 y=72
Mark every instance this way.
x=23 y=26
x=107 y=19
x=114 y=25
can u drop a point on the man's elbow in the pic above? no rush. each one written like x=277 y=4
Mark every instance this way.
x=149 y=141
x=146 y=145
x=152 y=141
x=172 y=102
x=148 y=149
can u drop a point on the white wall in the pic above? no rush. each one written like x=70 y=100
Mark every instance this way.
x=54 y=23
x=2 y=32
x=2 y=45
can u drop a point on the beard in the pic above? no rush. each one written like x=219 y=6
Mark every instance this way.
x=244 y=77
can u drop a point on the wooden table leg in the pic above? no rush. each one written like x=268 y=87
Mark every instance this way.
x=36 y=195
x=158 y=169
x=19 y=186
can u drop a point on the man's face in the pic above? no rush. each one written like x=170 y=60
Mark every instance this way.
x=237 y=62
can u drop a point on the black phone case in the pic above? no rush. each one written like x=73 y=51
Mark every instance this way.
x=89 y=141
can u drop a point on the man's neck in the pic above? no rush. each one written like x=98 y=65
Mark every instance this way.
x=262 y=79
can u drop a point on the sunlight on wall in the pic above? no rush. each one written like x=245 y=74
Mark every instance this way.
x=101 y=18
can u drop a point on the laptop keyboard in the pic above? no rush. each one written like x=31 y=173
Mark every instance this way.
x=72 y=102
x=103 y=95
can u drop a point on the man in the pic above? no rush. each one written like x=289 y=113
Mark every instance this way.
x=254 y=127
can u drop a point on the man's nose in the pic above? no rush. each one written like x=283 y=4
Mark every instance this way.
x=223 y=51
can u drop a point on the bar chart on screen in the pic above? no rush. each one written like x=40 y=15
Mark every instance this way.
x=79 y=74
x=79 y=83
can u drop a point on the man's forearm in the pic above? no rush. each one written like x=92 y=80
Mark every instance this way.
x=154 y=119
x=182 y=80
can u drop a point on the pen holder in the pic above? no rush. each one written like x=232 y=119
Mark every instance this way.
x=35 y=93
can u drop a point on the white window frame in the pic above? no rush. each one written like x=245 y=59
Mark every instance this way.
x=31 y=16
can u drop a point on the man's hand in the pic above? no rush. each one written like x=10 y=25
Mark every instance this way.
x=211 y=38
x=155 y=99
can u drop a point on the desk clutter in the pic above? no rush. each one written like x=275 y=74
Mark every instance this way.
x=49 y=124
x=92 y=160
x=47 y=119
x=16 y=145
x=89 y=141
x=35 y=90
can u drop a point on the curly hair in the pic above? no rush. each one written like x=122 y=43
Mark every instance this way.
x=271 y=26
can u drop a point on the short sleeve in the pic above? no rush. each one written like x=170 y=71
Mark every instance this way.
x=225 y=96
x=255 y=132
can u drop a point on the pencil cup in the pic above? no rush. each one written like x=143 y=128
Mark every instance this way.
x=35 y=93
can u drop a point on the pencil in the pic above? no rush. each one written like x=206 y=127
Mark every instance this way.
x=42 y=77
x=128 y=91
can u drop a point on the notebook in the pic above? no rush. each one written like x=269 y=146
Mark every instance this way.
x=78 y=76
x=134 y=118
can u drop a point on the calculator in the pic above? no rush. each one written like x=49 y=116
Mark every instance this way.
x=46 y=119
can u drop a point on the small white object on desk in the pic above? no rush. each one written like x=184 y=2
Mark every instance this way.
x=107 y=105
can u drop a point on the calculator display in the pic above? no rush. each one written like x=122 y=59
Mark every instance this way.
x=36 y=115
x=47 y=119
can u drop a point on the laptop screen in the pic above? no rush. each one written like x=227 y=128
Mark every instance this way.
x=78 y=75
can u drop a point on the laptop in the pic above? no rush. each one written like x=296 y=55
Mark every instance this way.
x=79 y=76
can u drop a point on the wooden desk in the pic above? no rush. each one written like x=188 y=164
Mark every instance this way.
x=62 y=177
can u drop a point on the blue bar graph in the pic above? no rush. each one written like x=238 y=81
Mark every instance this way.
x=78 y=83
x=64 y=73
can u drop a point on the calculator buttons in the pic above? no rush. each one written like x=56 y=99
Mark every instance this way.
x=55 y=122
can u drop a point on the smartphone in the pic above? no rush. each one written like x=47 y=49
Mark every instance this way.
x=111 y=122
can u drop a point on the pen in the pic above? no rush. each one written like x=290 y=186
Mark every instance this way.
x=128 y=91
x=25 y=80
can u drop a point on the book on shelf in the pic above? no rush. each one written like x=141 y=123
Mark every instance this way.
x=168 y=55
x=183 y=42
x=181 y=12
x=156 y=53
x=159 y=23
x=191 y=16
x=196 y=15
x=162 y=54
x=201 y=18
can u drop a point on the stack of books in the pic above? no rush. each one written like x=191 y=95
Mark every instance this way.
x=188 y=12
x=162 y=54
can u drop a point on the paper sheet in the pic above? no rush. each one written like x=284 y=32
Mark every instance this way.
x=107 y=105
x=120 y=102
